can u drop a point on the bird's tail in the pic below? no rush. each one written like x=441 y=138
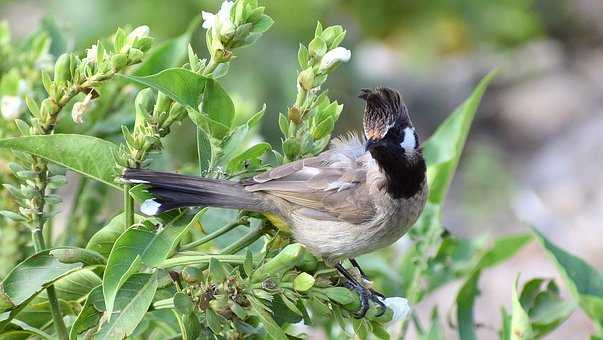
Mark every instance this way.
x=173 y=191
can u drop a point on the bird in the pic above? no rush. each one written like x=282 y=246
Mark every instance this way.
x=360 y=195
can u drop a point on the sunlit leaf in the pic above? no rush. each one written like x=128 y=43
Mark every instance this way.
x=131 y=303
x=87 y=155
x=443 y=149
x=140 y=246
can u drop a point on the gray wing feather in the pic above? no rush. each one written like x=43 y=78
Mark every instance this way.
x=330 y=186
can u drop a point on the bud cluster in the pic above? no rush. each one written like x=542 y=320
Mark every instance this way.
x=309 y=122
x=154 y=117
x=237 y=24
x=72 y=75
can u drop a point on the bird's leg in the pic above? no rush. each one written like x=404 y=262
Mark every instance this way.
x=364 y=276
x=365 y=293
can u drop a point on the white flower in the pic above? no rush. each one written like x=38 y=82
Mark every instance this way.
x=221 y=20
x=91 y=54
x=11 y=107
x=399 y=306
x=80 y=108
x=334 y=57
x=139 y=32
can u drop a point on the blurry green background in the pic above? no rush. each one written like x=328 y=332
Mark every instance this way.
x=536 y=151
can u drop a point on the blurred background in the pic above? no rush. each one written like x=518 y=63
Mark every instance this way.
x=535 y=154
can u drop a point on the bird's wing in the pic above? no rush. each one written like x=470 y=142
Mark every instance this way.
x=330 y=186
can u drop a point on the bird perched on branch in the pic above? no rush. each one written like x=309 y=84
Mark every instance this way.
x=356 y=197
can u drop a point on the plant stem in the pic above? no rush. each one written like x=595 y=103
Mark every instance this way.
x=55 y=308
x=253 y=235
x=200 y=259
x=213 y=235
x=128 y=206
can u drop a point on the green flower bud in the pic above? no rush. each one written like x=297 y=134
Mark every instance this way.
x=62 y=69
x=309 y=262
x=303 y=282
x=119 y=61
x=183 y=303
x=192 y=275
x=134 y=55
x=291 y=148
x=286 y=259
x=331 y=33
x=317 y=47
x=305 y=79
x=76 y=255
x=143 y=105
x=143 y=44
x=48 y=107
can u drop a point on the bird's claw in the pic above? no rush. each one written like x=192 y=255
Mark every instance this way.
x=366 y=294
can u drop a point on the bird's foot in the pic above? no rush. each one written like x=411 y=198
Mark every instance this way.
x=366 y=295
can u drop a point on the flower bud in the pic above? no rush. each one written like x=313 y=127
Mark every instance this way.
x=305 y=79
x=192 y=275
x=119 y=61
x=134 y=55
x=286 y=259
x=333 y=58
x=91 y=54
x=11 y=107
x=80 y=108
x=303 y=282
x=291 y=148
x=317 y=47
x=48 y=107
x=62 y=69
x=137 y=34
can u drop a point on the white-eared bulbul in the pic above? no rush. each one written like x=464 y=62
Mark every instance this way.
x=352 y=199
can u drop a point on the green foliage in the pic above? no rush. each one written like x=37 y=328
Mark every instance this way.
x=183 y=275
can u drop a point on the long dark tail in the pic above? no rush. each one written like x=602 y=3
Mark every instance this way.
x=173 y=191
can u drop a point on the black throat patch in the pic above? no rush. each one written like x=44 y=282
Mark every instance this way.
x=404 y=173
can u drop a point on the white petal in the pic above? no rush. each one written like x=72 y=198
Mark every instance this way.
x=399 y=306
x=150 y=207
x=209 y=20
x=225 y=9
x=11 y=107
x=140 y=32
x=334 y=56
x=91 y=54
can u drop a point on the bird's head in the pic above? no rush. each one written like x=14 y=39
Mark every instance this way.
x=386 y=122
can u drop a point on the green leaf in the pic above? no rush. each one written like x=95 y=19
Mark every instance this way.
x=263 y=24
x=87 y=155
x=502 y=249
x=272 y=328
x=183 y=303
x=181 y=85
x=217 y=271
x=32 y=276
x=435 y=330
x=168 y=54
x=520 y=321
x=204 y=151
x=89 y=316
x=217 y=103
x=584 y=282
x=256 y=151
x=443 y=149
x=76 y=285
x=138 y=246
x=102 y=241
x=132 y=303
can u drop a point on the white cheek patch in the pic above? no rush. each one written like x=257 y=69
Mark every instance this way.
x=410 y=142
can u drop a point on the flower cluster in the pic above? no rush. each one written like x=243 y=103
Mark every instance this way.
x=154 y=117
x=237 y=24
x=310 y=121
